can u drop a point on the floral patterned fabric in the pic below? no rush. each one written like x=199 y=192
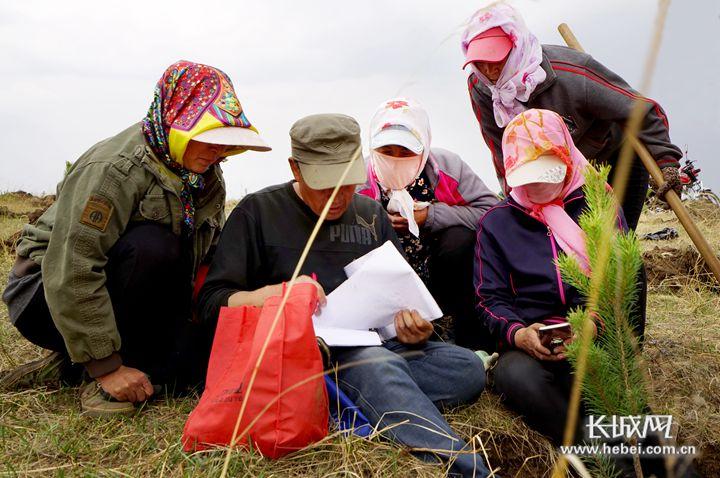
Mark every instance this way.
x=417 y=248
x=522 y=72
x=529 y=135
x=189 y=99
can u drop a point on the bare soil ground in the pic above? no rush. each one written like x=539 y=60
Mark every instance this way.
x=42 y=432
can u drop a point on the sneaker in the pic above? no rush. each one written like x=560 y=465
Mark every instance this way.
x=41 y=372
x=95 y=402
x=489 y=360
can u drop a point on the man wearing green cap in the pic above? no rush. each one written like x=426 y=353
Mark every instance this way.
x=400 y=386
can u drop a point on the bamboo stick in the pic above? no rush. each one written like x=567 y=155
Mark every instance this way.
x=671 y=197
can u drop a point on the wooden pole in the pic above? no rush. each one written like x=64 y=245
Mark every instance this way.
x=671 y=196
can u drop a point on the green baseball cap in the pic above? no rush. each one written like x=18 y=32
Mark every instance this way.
x=323 y=145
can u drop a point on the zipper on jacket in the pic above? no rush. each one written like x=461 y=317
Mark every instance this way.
x=557 y=269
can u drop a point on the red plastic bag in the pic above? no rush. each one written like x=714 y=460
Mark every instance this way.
x=295 y=419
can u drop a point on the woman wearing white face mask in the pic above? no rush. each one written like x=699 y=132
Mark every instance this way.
x=518 y=285
x=434 y=201
x=541 y=193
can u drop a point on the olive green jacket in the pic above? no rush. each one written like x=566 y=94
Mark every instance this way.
x=119 y=181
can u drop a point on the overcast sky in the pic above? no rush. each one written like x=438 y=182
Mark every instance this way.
x=74 y=73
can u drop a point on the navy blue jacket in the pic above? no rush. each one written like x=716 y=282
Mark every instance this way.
x=516 y=281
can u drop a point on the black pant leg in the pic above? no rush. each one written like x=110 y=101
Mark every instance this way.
x=149 y=283
x=146 y=286
x=36 y=325
x=190 y=356
x=451 y=277
x=148 y=278
x=539 y=391
x=636 y=190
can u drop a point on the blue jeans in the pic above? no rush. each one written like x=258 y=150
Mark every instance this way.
x=402 y=390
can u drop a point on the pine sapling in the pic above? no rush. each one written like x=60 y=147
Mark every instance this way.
x=614 y=383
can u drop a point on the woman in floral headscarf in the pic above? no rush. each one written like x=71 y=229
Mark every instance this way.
x=105 y=276
x=434 y=201
x=510 y=71
x=518 y=285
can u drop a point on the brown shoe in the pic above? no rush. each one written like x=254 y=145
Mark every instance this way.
x=45 y=371
x=96 y=402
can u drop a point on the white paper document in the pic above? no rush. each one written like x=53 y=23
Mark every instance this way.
x=379 y=285
x=347 y=337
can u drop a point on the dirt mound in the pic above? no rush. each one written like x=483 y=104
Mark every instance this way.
x=6 y=212
x=677 y=267
x=11 y=242
x=35 y=215
x=506 y=438
x=41 y=202
x=27 y=202
x=22 y=194
x=23 y=205
x=703 y=211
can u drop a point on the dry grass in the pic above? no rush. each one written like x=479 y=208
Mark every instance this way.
x=682 y=350
x=230 y=205
x=42 y=432
x=676 y=263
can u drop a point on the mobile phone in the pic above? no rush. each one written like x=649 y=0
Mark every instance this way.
x=555 y=335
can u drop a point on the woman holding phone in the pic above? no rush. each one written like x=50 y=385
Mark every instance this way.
x=519 y=289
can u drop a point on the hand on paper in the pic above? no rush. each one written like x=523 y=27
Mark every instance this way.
x=411 y=328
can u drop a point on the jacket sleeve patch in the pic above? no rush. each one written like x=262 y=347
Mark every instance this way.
x=97 y=213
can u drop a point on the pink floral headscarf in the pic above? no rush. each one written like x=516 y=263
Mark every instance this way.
x=534 y=133
x=522 y=72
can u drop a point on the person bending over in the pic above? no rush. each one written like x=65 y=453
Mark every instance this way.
x=511 y=71
x=260 y=247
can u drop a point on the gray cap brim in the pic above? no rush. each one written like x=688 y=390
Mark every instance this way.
x=326 y=176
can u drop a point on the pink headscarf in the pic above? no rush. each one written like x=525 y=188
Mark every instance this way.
x=534 y=133
x=522 y=72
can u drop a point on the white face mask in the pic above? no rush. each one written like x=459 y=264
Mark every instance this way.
x=543 y=193
x=396 y=173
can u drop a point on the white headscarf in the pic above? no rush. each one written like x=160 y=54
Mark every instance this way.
x=522 y=72
x=410 y=115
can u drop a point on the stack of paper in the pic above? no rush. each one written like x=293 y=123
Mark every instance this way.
x=379 y=285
